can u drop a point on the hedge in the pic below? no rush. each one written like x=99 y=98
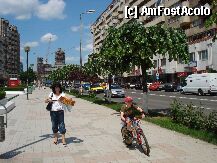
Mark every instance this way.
x=12 y=88
x=2 y=94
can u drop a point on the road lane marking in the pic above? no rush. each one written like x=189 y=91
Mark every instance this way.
x=193 y=98
x=162 y=95
x=139 y=98
x=208 y=108
x=133 y=92
x=213 y=100
x=182 y=97
x=172 y=96
x=152 y=94
x=203 y=99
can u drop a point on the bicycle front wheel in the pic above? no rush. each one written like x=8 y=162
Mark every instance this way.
x=144 y=144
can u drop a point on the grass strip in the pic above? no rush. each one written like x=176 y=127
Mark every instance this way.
x=166 y=122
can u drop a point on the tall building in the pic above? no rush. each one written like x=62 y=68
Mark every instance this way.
x=202 y=51
x=21 y=67
x=59 y=58
x=40 y=66
x=10 y=48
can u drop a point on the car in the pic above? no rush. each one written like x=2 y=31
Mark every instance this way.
x=179 y=87
x=148 y=84
x=161 y=87
x=139 y=86
x=77 y=85
x=116 y=91
x=154 y=86
x=86 y=86
x=170 y=87
x=96 y=88
x=132 y=85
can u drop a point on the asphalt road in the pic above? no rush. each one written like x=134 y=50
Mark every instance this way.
x=160 y=100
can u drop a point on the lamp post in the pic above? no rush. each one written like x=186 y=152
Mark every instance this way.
x=81 y=28
x=27 y=49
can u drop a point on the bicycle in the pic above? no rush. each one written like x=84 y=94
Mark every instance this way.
x=135 y=133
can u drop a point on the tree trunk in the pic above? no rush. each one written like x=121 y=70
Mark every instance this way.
x=144 y=85
x=109 y=82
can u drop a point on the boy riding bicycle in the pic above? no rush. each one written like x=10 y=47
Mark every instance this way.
x=128 y=112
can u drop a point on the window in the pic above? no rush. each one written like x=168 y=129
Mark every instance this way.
x=163 y=62
x=196 y=23
x=203 y=55
x=192 y=57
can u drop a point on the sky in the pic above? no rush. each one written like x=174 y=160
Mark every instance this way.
x=40 y=20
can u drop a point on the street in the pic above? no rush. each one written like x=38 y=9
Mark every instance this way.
x=160 y=100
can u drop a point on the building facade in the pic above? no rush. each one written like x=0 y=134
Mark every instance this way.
x=202 y=50
x=59 y=58
x=9 y=48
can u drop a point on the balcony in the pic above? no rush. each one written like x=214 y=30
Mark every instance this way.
x=185 y=20
x=155 y=21
x=120 y=16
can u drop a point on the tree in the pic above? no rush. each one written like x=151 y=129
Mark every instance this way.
x=31 y=76
x=213 y=18
x=134 y=45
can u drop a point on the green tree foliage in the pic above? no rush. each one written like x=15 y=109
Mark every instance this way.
x=213 y=18
x=134 y=45
x=31 y=76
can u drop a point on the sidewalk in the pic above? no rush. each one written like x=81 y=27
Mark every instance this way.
x=93 y=136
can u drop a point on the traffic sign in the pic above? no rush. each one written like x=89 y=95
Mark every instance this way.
x=157 y=77
x=157 y=74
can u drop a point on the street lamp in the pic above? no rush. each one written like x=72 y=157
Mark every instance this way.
x=81 y=25
x=27 y=49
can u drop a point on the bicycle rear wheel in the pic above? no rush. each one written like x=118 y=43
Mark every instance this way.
x=144 y=145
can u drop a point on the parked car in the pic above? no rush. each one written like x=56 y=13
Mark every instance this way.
x=148 y=84
x=154 y=87
x=77 y=85
x=170 y=87
x=138 y=86
x=116 y=91
x=179 y=87
x=96 y=88
x=132 y=85
x=201 y=84
x=161 y=87
x=86 y=86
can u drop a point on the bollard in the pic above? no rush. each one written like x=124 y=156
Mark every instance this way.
x=2 y=129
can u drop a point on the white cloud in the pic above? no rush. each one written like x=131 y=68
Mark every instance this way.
x=87 y=48
x=49 y=37
x=25 y=9
x=32 y=44
x=77 y=28
x=53 y=9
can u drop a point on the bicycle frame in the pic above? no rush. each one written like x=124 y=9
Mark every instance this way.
x=136 y=129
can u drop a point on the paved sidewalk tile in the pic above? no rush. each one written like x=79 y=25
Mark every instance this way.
x=93 y=136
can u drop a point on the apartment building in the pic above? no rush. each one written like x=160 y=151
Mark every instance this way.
x=202 y=51
x=9 y=48
x=59 y=58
